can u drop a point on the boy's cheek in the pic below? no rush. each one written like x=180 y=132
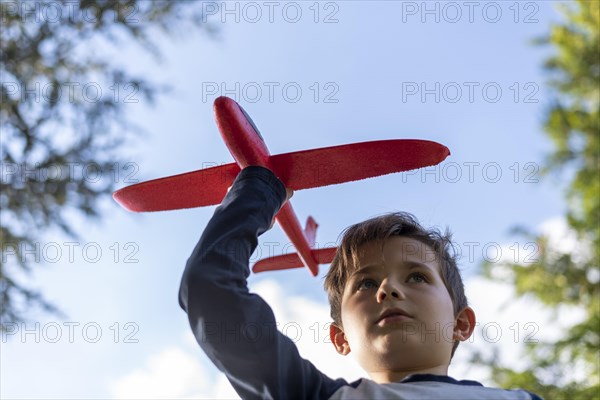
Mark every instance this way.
x=346 y=303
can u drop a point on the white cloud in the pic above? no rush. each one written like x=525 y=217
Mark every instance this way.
x=176 y=372
x=172 y=373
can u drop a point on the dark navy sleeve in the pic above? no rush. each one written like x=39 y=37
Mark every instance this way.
x=236 y=328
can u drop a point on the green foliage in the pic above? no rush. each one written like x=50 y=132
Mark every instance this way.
x=559 y=278
x=52 y=128
x=573 y=122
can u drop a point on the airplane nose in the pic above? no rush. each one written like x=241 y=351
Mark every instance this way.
x=251 y=122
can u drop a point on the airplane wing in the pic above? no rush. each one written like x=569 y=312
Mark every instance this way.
x=297 y=170
x=200 y=188
x=351 y=162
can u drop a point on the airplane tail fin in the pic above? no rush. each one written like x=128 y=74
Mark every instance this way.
x=292 y=260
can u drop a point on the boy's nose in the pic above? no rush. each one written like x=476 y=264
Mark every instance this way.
x=387 y=289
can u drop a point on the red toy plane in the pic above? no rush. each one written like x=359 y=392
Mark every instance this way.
x=297 y=170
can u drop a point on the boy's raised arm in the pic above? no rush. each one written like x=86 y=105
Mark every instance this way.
x=234 y=327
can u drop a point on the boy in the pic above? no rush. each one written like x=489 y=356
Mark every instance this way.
x=396 y=297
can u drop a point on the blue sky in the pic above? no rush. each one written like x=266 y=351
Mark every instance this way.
x=374 y=63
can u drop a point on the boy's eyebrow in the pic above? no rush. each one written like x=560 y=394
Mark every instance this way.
x=410 y=264
x=364 y=270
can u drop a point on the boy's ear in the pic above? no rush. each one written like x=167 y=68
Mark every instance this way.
x=338 y=338
x=465 y=324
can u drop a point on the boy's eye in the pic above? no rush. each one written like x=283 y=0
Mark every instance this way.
x=366 y=284
x=417 y=277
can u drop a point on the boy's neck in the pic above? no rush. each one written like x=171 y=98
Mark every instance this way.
x=397 y=376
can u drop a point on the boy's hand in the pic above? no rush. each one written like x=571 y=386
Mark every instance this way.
x=288 y=195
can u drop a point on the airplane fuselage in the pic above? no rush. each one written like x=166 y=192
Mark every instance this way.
x=248 y=148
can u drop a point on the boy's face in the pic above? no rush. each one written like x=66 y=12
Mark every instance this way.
x=405 y=282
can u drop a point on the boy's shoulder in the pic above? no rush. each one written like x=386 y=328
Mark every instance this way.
x=427 y=386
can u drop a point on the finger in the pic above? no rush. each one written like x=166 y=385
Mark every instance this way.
x=289 y=193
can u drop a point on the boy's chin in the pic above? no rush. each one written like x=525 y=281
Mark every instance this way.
x=393 y=354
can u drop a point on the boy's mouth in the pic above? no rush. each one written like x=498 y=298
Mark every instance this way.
x=393 y=314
